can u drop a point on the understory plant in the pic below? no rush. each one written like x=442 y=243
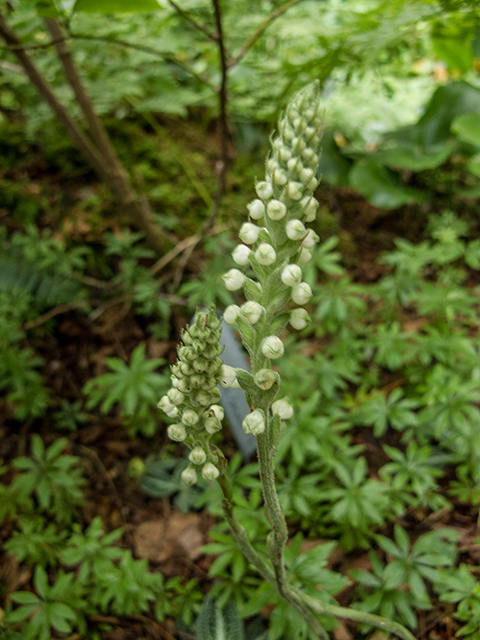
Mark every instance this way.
x=276 y=244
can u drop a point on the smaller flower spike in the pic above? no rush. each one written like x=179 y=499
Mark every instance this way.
x=193 y=396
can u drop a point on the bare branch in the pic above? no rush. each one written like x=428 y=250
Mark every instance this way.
x=186 y=16
x=259 y=31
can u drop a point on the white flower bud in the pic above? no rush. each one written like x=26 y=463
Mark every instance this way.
x=230 y=314
x=265 y=379
x=294 y=164
x=276 y=210
x=217 y=411
x=251 y=311
x=197 y=455
x=310 y=206
x=175 y=396
x=304 y=256
x=241 y=254
x=204 y=398
x=310 y=240
x=228 y=377
x=210 y=471
x=264 y=190
x=189 y=418
x=173 y=412
x=284 y=154
x=298 y=145
x=295 y=229
x=265 y=254
x=282 y=409
x=249 y=232
x=280 y=177
x=272 y=164
x=291 y=275
x=177 y=432
x=301 y=293
x=310 y=156
x=299 y=319
x=272 y=347
x=233 y=279
x=256 y=209
x=189 y=476
x=164 y=404
x=312 y=184
x=306 y=175
x=294 y=190
x=254 y=423
x=212 y=425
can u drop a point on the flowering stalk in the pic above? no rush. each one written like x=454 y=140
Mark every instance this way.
x=276 y=243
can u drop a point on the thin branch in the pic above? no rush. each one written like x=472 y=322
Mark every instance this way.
x=64 y=308
x=259 y=31
x=42 y=86
x=117 y=178
x=186 y=16
x=223 y=159
x=151 y=51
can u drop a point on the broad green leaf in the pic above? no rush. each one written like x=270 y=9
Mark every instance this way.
x=413 y=157
x=40 y=582
x=473 y=165
x=381 y=186
x=115 y=6
x=467 y=128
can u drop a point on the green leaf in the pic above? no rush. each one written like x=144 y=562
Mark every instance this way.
x=413 y=157
x=115 y=6
x=473 y=165
x=467 y=128
x=381 y=186
x=40 y=582
x=25 y=597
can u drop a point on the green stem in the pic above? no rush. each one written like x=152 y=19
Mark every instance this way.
x=355 y=615
x=259 y=563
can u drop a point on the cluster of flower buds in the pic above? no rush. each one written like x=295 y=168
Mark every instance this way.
x=192 y=400
x=275 y=245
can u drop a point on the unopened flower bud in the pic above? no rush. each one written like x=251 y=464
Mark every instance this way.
x=256 y=209
x=291 y=275
x=204 y=398
x=189 y=418
x=265 y=254
x=310 y=240
x=210 y=471
x=284 y=154
x=272 y=347
x=212 y=425
x=217 y=411
x=264 y=190
x=228 y=377
x=282 y=409
x=265 y=379
x=177 y=432
x=306 y=175
x=295 y=229
x=299 y=319
x=251 y=311
x=249 y=232
x=276 y=210
x=197 y=455
x=172 y=413
x=294 y=190
x=254 y=423
x=301 y=293
x=233 y=279
x=304 y=256
x=241 y=254
x=310 y=206
x=165 y=404
x=175 y=396
x=189 y=476
x=310 y=156
x=280 y=177
x=312 y=184
x=231 y=313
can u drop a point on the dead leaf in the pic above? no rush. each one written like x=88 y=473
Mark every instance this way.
x=158 y=540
